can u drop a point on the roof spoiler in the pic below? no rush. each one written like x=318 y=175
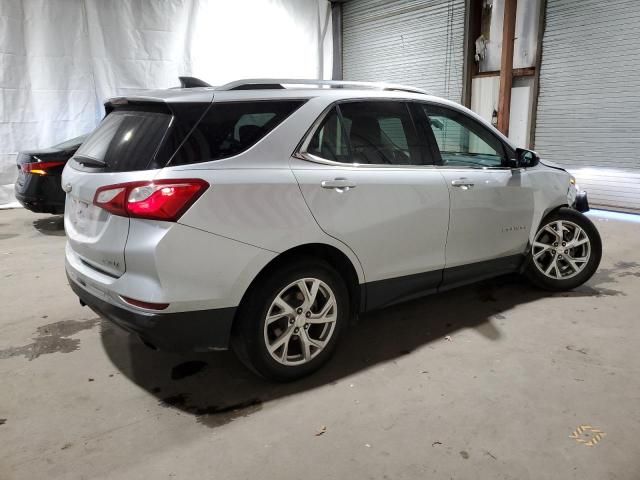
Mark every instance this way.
x=192 y=82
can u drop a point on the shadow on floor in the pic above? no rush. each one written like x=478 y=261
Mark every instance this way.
x=50 y=225
x=216 y=388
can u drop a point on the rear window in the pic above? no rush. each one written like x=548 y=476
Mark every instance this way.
x=125 y=141
x=146 y=137
x=230 y=128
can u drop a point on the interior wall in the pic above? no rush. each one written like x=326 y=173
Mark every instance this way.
x=525 y=43
x=59 y=59
x=520 y=111
x=484 y=96
x=485 y=88
x=484 y=101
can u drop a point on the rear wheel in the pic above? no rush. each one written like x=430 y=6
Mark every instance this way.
x=566 y=251
x=289 y=324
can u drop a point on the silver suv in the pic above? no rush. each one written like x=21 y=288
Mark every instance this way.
x=264 y=214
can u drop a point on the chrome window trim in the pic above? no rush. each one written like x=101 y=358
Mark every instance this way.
x=308 y=157
x=467 y=167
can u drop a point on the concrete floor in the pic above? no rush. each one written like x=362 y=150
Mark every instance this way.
x=488 y=382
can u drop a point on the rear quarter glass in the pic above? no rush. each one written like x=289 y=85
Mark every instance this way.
x=230 y=128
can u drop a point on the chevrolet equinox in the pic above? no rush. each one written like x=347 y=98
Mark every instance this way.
x=264 y=214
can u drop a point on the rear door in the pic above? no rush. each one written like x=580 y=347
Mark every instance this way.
x=492 y=205
x=130 y=144
x=369 y=183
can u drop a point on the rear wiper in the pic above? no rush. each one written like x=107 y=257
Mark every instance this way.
x=89 y=162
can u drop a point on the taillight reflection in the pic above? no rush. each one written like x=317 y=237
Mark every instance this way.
x=142 y=304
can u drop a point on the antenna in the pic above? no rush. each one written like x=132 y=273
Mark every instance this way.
x=192 y=82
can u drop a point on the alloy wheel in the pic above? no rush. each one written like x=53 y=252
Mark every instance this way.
x=561 y=250
x=300 y=321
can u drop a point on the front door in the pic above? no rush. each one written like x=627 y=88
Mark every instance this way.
x=369 y=184
x=492 y=205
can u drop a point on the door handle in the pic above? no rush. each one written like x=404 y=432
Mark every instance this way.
x=338 y=184
x=463 y=183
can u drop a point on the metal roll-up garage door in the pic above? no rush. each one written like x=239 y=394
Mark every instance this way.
x=588 y=116
x=414 y=42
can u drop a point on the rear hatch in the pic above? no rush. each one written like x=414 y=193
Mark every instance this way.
x=132 y=143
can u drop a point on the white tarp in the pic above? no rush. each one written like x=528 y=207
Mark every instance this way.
x=59 y=59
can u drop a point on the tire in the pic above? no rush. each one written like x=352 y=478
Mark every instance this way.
x=576 y=251
x=291 y=329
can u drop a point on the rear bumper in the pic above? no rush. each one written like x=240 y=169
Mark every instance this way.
x=40 y=204
x=41 y=194
x=200 y=330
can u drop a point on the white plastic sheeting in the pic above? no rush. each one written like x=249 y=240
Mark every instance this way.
x=59 y=59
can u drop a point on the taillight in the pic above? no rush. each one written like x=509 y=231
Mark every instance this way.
x=40 y=168
x=160 y=200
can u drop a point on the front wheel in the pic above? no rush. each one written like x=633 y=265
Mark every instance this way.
x=290 y=323
x=566 y=251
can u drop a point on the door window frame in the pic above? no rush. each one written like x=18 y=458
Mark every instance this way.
x=426 y=150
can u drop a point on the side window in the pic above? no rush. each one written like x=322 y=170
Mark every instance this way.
x=392 y=128
x=228 y=129
x=251 y=122
x=329 y=141
x=381 y=132
x=462 y=141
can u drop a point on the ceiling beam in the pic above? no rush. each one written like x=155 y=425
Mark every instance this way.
x=506 y=65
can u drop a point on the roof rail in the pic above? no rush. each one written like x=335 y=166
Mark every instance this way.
x=271 y=83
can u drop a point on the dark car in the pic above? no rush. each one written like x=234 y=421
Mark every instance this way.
x=38 y=186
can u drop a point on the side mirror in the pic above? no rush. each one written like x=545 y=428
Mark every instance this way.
x=527 y=158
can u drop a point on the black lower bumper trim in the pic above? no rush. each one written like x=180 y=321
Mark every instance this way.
x=40 y=193
x=582 y=203
x=200 y=330
x=40 y=205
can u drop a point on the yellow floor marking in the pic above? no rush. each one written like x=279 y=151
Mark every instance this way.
x=587 y=435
